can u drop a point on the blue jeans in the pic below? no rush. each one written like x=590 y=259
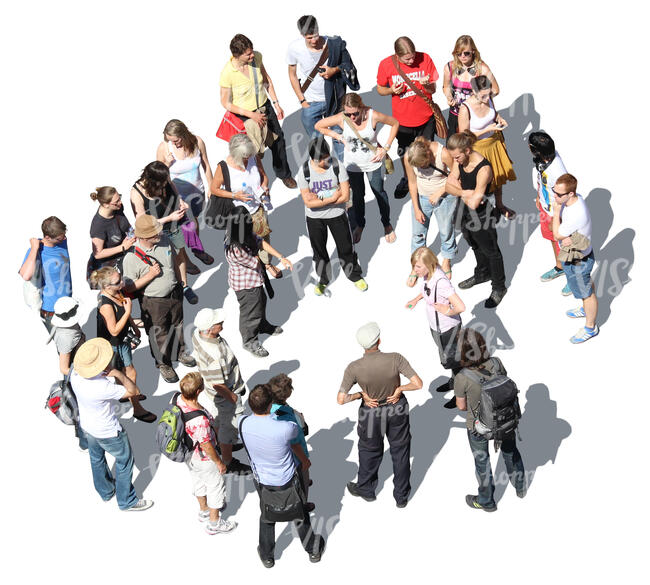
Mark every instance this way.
x=444 y=212
x=358 y=186
x=311 y=115
x=105 y=484
x=578 y=276
x=511 y=457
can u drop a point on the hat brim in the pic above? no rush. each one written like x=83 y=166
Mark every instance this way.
x=149 y=233
x=57 y=322
x=99 y=365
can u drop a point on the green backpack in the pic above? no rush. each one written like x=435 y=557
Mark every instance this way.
x=171 y=438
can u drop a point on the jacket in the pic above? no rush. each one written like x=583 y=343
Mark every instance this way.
x=335 y=87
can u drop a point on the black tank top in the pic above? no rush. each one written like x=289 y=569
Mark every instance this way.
x=102 y=330
x=468 y=180
x=161 y=206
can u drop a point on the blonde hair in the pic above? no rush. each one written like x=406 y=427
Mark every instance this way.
x=191 y=384
x=462 y=42
x=103 y=194
x=427 y=257
x=462 y=140
x=353 y=100
x=101 y=278
x=419 y=153
x=404 y=46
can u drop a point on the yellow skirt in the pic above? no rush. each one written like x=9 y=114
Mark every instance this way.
x=494 y=150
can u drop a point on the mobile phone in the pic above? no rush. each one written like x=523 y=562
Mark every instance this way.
x=321 y=69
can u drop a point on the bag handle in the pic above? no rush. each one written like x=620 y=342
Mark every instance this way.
x=314 y=71
x=411 y=85
x=257 y=86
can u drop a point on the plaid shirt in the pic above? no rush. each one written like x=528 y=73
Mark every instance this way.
x=244 y=270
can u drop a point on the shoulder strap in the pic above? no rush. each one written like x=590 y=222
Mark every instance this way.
x=306 y=171
x=223 y=165
x=411 y=85
x=472 y=375
x=347 y=120
x=335 y=167
x=435 y=300
x=141 y=254
x=257 y=85
x=241 y=436
x=314 y=71
x=135 y=186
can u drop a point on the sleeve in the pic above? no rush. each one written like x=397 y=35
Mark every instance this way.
x=124 y=224
x=198 y=430
x=225 y=79
x=461 y=386
x=292 y=431
x=383 y=76
x=209 y=368
x=404 y=367
x=349 y=380
x=300 y=179
x=243 y=258
x=430 y=68
x=96 y=231
x=291 y=56
x=112 y=391
x=445 y=288
x=343 y=174
x=130 y=267
x=535 y=180
x=499 y=367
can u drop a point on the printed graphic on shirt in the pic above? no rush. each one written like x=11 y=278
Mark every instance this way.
x=318 y=186
x=356 y=144
x=413 y=76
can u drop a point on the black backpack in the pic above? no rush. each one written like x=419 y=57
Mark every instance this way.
x=219 y=208
x=307 y=171
x=498 y=412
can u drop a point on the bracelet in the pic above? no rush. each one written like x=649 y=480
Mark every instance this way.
x=275 y=102
x=303 y=100
x=448 y=310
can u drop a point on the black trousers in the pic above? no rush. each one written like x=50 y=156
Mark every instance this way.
x=391 y=420
x=279 y=147
x=340 y=228
x=163 y=321
x=479 y=229
x=252 y=314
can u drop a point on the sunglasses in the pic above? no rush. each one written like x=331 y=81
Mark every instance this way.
x=427 y=290
x=353 y=114
x=465 y=53
x=560 y=194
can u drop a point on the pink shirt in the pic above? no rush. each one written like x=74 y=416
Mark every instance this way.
x=443 y=291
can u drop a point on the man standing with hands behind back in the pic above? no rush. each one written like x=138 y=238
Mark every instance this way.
x=384 y=411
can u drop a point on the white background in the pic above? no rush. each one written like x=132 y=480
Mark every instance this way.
x=88 y=89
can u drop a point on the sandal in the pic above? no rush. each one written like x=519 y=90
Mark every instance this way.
x=274 y=270
x=411 y=280
x=140 y=398
x=147 y=417
x=138 y=323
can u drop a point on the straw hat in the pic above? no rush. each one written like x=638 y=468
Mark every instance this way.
x=93 y=357
x=147 y=226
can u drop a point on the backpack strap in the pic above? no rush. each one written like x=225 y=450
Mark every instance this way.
x=223 y=165
x=306 y=171
x=144 y=257
x=335 y=167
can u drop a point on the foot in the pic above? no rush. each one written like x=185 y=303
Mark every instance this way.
x=389 y=234
x=319 y=290
x=289 y=183
x=352 y=488
x=446 y=387
x=551 y=274
x=450 y=403
x=140 y=505
x=411 y=280
x=566 y=291
x=268 y=563
x=471 y=281
x=472 y=502
x=277 y=331
x=576 y=313
x=145 y=416
x=309 y=507
x=402 y=504
x=192 y=269
x=186 y=360
x=257 y=350
x=203 y=515
x=356 y=234
x=190 y=295
x=522 y=493
x=221 y=526
x=274 y=270
x=238 y=468
x=314 y=557
x=203 y=257
x=495 y=298
x=585 y=334
x=401 y=189
x=168 y=374
x=361 y=284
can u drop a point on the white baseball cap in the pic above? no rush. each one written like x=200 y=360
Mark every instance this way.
x=206 y=318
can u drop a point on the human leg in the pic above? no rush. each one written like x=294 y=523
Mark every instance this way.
x=444 y=212
x=278 y=148
x=317 y=232
x=102 y=478
x=154 y=317
x=340 y=228
x=250 y=315
x=371 y=448
x=479 y=447
x=120 y=448
x=266 y=540
x=514 y=464
x=420 y=230
x=376 y=180
x=398 y=433
x=358 y=187
x=310 y=115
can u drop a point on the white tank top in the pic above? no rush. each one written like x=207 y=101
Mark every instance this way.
x=185 y=172
x=357 y=155
x=251 y=177
x=429 y=180
x=478 y=123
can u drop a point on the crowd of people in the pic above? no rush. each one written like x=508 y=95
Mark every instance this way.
x=453 y=169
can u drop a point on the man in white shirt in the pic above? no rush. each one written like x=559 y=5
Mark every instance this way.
x=572 y=222
x=94 y=393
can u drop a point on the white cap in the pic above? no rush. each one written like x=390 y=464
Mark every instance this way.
x=65 y=312
x=368 y=335
x=206 y=318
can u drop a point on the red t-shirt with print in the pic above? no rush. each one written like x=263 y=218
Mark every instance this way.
x=409 y=109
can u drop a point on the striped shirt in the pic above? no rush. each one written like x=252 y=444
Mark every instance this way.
x=217 y=364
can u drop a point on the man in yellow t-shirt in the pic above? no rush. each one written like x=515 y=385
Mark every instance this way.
x=244 y=86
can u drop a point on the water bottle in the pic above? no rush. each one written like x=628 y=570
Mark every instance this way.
x=247 y=189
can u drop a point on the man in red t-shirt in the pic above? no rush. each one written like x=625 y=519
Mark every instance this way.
x=412 y=112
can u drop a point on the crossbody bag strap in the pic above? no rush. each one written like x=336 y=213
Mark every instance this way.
x=241 y=436
x=257 y=85
x=314 y=71
x=347 y=120
x=411 y=85
x=225 y=173
x=141 y=254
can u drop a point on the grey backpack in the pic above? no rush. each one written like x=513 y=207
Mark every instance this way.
x=62 y=402
x=498 y=411
x=171 y=438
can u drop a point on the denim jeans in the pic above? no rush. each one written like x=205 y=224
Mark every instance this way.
x=105 y=484
x=511 y=457
x=444 y=212
x=358 y=186
x=311 y=115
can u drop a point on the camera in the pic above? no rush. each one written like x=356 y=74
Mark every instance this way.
x=132 y=339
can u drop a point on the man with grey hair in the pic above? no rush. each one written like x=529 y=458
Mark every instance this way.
x=224 y=386
x=384 y=411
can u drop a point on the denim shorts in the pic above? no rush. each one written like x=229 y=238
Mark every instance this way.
x=122 y=355
x=578 y=275
x=177 y=238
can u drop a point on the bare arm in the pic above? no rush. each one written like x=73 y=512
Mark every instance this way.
x=225 y=392
x=415 y=383
x=204 y=160
x=215 y=188
x=343 y=398
x=114 y=327
x=380 y=118
x=299 y=452
x=295 y=83
x=268 y=82
x=226 y=102
x=130 y=388
x=211 y=452
x=324 y=125
x=64 y=363
x=461 y=403
x=27 y=269
x=312 y=201
x=495 y=86
x=271 y=250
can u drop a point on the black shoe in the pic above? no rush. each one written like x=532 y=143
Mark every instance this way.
x=237 y=446
x=187 y=360
x=190 y=295
x=402 y=188
x=522 y=492
x=446 y=387
x=471 y=281
x=203 y=257
x=402 y=504
x=451 y=403
x=268 y=563
x=192 y=269
x=309 y=507
x=238 y=468
x=495 y=298
x=168 y=374
x=472 y=502
x=314 y=557
x=352 y=488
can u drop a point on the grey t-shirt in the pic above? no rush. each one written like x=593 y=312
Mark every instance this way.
x=464 y=387
x=319 y=182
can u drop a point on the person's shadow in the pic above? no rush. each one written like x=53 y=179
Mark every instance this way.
x=542 y=433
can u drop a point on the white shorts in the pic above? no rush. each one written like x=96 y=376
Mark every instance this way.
x=207 y=481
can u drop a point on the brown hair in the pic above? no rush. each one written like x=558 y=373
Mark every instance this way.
x=175 y=127
x=569 y=181
x=462 y=140
x=473 y=349
x=260 y=399
x=419 y=153
x=240 y=44
x=353 y=100
x=281 y=388
x=427 y=257
x=155 y=179
x=101 y=277
x=404 y=46
x=190 y=385
x=103 y=194
x=467 y=41
x=53 y=227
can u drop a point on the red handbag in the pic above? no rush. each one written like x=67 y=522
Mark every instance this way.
x=230 y=125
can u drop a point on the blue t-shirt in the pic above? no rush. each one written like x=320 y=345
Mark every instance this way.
x=268 y=441
x=56 y=273
x=285 y=412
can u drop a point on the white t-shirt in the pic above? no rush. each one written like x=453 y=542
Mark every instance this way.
x=298 y=54
x=576 y=218
x=544 y=182
x=96 y=414
x=248 y=181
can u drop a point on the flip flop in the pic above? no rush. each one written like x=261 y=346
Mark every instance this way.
x=140 y=397
x=138 y=323
x=147 y=417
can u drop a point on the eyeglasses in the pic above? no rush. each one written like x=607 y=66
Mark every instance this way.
x=560 y=194
x=353 y=114
x=465 y=53
x=117 y=283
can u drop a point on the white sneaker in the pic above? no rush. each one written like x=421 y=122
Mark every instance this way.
x=140 y=506
x=204 y=515
x=221 y=526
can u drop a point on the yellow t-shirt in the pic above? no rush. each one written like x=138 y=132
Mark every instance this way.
x=243 y=87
